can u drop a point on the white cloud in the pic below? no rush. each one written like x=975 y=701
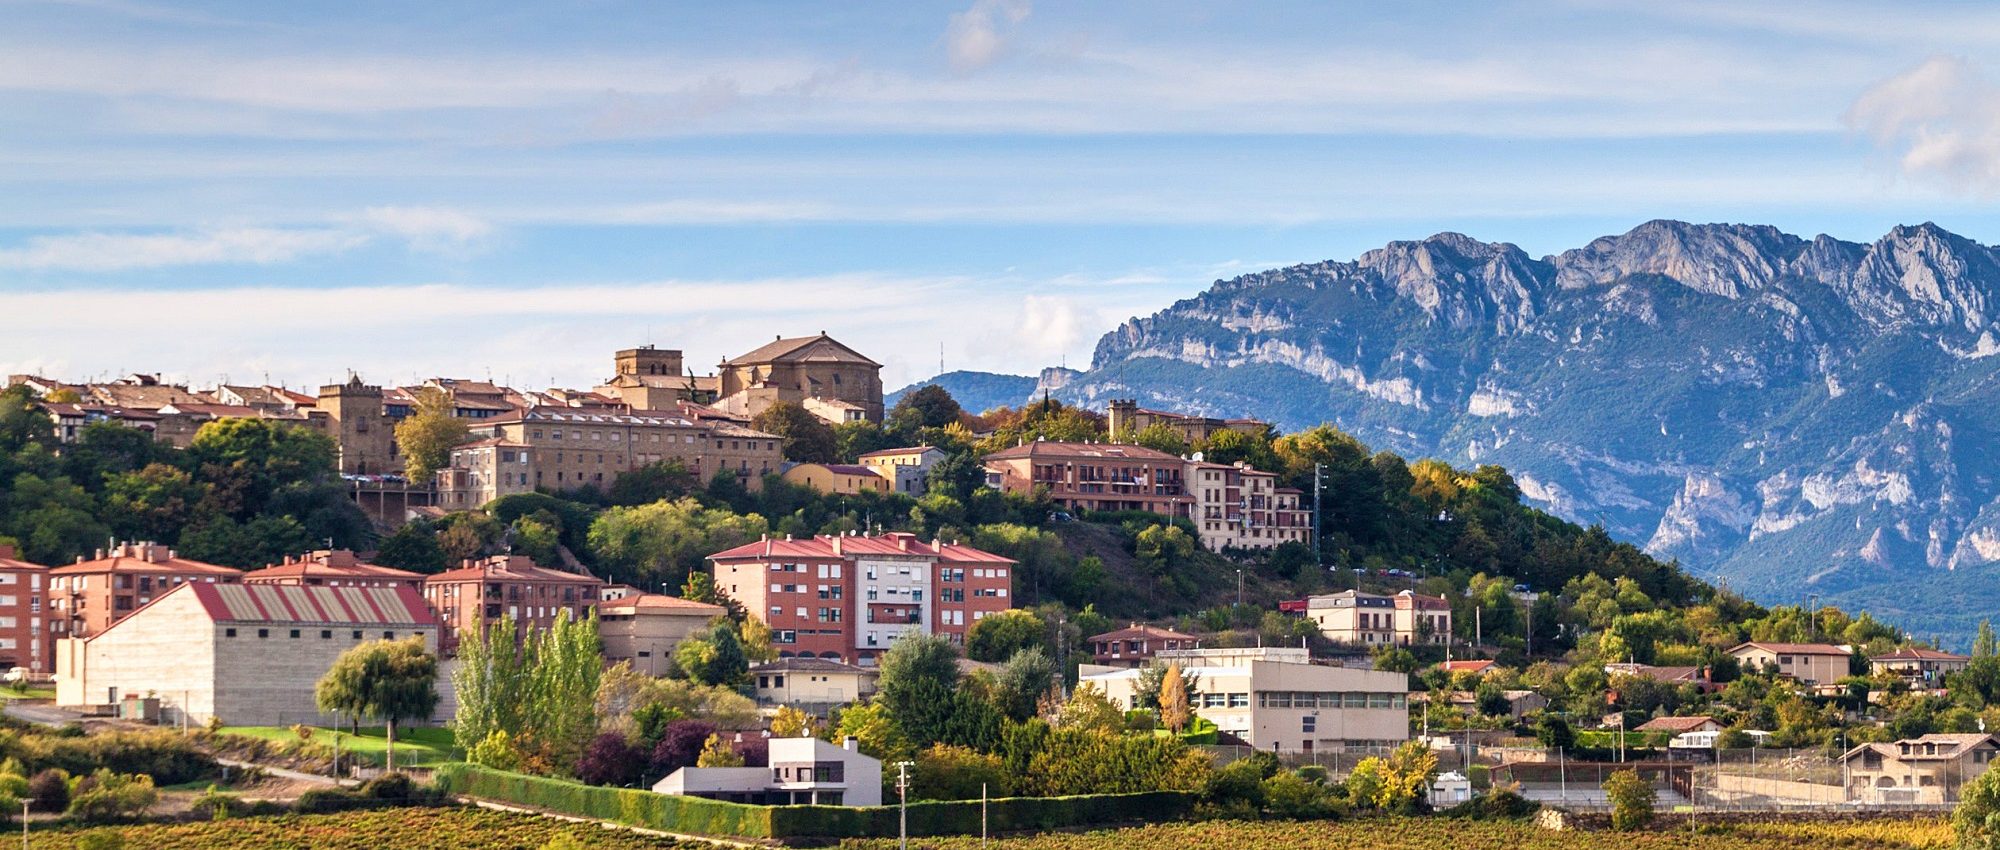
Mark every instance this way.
x=1940 y=119
x=431 y=229
x=434 y=229
x=561 y=333
x=105 y=252
x=979 y=36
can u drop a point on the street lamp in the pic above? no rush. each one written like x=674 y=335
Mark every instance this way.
x=1239 y=587
x=903 y=804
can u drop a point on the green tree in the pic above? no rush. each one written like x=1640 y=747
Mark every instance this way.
x=946 y=772
x=1984 y=644
x=807 y=438
x=917 y=683
x=791 y=722
x=427 y=436
x=1090 y=710
x=1021 y=682
x=714 y=658
x=662 y=543
x=718 y=752
x=1161 y=547
x=996 y=637
x=1977 y=818
x=1161 y=437
x=385 y=680
x=1553 y=732
x=665 y=479
x=413 y=547
x=566 y=666
x=853 y=439
x=491 y=683
x=874 y=731
x=928 y=406
x=1631 y=800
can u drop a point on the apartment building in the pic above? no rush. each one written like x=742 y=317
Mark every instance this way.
x=840 y=479
x=22 y=586
x=1094 y=476
x=333 y=568
x=645 y=628
x=909 y=468
x=801 y=368
x=565 y=449
x=249 y=654
x=484 y=590
x=87 y=597
x=1136 y=645
x=1806 y=663
x=1371 y=619
x=1239 y=507
x=847 y=597
x=1124 y=418
x=1275 y=698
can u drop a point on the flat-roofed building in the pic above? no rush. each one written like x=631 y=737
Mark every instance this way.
x=802 y=772
x=249 y=654
x=88 y=596
x=645 y=628
x=1275 y=698
x=333 y=568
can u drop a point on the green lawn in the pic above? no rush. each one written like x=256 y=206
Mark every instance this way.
x=425 y=746
x=36 y=692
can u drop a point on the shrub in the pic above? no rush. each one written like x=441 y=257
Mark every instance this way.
x=1498 y=804
x=1289 y=795
x=48 y=791
x=1977 y=818
x=680 y=745
x=1631 y=799
x=105 y=797
x=610 y=760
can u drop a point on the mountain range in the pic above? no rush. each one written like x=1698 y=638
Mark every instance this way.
x=1801 y=419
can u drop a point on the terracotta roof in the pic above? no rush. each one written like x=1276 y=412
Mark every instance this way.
x=731 y=429
x=279 y=603
x=1792 y=648
x=510 y=568
x=1053 y=448
x=1657 y=674
x=830 y=548
x=1464 y=666
x=660 y=602
x=1950 y=746
x=906 y=450
x=1141 y=631
x=10 y=560
x=849 y=469
x=1674 y=724
x=143 y=558
x=1413 y=599
x=329 y=564
x=789 y=349
x=219 y=411
x=1918 y=653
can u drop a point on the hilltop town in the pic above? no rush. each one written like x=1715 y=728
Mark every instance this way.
x=764 y=587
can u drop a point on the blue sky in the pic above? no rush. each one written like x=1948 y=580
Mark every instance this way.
x=295 y=190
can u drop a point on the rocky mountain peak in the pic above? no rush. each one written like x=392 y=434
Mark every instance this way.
x=1729 y=260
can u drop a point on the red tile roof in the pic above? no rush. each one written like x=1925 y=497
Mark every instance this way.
x=508 y=568
x=1918 y=653
x=1674 y=724
x=1465 y=666
x=1792 y=648
x=661 y=603
x=787 y=349
x=329 y=564
x=833 y=548
x=1111 y=451
x=1142 y=632
x=906 y=450
x=10 y=560
x=143 y=558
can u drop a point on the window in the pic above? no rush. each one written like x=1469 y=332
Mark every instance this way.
x=228 y=632
x=357 y=634
x=295 y=634
x=388 y=635
x=326 y=634
x=1309 y=724
x=263 y=633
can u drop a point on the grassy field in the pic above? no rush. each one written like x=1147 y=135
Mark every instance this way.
x=36 y=692
x=417 y=747
x=1432 y=833
x=430 y=829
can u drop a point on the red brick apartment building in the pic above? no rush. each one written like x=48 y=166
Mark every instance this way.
x=847 y=597
x=22 y=643
x=484 y=590
x=86 y=597
x=1094 y=476
x=333 y=568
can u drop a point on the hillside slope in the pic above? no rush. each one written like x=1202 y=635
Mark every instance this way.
x=1789 y=416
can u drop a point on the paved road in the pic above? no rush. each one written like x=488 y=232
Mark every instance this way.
x=39 y=712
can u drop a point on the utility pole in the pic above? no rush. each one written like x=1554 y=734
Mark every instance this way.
x=1239 y=588
x=1318 y=558
x=982 y=814
x=903 y=804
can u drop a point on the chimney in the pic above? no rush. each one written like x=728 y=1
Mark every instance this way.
x=850 y=744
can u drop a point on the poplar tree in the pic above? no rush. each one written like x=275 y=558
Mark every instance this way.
x=1173 y=699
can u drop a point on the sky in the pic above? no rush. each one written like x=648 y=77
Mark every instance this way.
x=290 y=192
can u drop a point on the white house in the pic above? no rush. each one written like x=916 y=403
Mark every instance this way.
x=1450 y=788
x=802 y=771
x=1275 y=698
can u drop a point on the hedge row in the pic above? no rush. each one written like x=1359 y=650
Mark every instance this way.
x=632 y=807
x=697 y=816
